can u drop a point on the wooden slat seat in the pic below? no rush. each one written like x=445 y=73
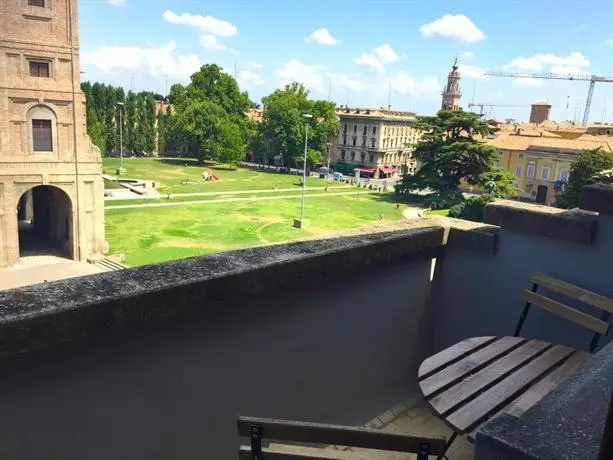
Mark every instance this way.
x=286 y=431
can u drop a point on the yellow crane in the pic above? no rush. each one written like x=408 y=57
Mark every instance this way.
x=593 y=79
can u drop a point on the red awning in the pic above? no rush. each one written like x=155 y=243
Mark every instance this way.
x=368 y=170
x=388 y=169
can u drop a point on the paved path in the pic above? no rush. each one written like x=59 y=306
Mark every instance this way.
x=226 y=192
x=35 y=270
x=232 y=200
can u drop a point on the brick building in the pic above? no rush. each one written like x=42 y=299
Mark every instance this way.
x=51 y=188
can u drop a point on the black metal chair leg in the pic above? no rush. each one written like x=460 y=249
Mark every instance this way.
x=447 y=446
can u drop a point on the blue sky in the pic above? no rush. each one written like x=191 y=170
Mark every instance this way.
x=359 y=48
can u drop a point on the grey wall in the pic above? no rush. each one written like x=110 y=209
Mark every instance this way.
x=480 y=294
x=342 y=351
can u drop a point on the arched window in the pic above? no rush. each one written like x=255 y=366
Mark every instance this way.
x=42 y=128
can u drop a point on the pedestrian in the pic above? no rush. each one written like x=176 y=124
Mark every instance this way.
x=326 y=188
x=380 y=216
x=397 y=205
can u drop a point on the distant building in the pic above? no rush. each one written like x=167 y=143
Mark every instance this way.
x=452 y=93
x=540 y=159
x=379 y=140
x=540 y=112
x=51 y=187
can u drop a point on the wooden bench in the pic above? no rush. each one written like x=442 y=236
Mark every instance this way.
x=599 y=326
x=258 y=429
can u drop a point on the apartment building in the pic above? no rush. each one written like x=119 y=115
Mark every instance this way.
x=377 y=140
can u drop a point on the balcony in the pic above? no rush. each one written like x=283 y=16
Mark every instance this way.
x=158 y=361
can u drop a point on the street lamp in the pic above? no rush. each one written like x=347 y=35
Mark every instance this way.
x=307 y=117
x=120 y=105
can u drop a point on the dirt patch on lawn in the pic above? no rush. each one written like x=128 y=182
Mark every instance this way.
x=185 y=243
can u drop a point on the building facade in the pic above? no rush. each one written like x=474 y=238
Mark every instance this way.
x=379 y=139
x=452 y=92
x=541 y=161
x=51 y=187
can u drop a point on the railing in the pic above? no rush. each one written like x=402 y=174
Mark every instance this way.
x=258 y=429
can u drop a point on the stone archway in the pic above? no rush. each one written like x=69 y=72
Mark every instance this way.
x=45 y=224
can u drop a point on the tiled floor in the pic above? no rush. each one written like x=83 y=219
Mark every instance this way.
x=412 y=417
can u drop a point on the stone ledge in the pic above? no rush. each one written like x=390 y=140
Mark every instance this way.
x=567 y=424
x=40 y=315
x=598 y=198
x=472 y=236
x=574 y=226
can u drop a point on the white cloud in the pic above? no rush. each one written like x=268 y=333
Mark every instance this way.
x=159 y=62
x=527 y=81
x=371 y=62
x=254 y=65
x=117 y=2
x=386 y=54
x=317 y=78
x=378 y=58
x=471 y=71
x=321 y=36
x=312 y=76
x=575 y=62
x=458 y=27
x=210 y=42
x=207 y=24
x=609 y=41
x=247 y=78
x=468 y=55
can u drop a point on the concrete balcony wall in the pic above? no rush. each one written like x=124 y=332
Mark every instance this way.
x=325 y=331
x=480 y=294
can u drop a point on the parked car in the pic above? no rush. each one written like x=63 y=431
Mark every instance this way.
x=339 y=177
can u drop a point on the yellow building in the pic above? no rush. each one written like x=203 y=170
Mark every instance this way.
x=541 y=160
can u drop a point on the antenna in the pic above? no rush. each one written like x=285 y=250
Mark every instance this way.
x=166 y=93
x=329 y=89
x=389 y=96
x=132 y=82
x=235 y=70
x=474 y=91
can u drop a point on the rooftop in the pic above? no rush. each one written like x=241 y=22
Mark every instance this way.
x=381 y=113
x=160 y=360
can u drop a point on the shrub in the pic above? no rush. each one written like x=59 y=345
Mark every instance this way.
x=471 y=209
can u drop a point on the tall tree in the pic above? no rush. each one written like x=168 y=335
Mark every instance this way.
x=451 y=150
x=585 y=171
x=212 y=84
x=283 y=124
x=209 y=132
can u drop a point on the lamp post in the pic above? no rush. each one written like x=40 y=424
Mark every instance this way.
x=120 y=105
x=307 y=116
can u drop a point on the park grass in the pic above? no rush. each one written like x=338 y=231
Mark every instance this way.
x=436 y=212
x=184 y=175
x=151 y=235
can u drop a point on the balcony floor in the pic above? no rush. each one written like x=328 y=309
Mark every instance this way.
x=404 y=418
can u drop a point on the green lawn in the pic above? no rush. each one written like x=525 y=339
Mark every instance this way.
x=436 y=212
x=151 y=235
x=171 y=173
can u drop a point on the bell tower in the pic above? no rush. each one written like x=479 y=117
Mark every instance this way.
x=452 y=94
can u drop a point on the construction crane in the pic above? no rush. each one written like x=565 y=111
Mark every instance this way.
x=593 y=79
x=481 y=105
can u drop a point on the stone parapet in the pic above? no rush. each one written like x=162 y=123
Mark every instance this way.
x=44 y=314
x=598 y=198
x=574 y=226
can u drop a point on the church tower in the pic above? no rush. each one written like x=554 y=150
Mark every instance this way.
x=51 y=187
x=452 y=94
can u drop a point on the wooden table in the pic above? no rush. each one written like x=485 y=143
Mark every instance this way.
x=476 y=379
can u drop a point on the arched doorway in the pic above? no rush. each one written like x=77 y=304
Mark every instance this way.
x=44 y=216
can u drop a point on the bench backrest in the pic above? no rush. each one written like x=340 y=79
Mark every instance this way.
x=257 y=429
x=600 y=325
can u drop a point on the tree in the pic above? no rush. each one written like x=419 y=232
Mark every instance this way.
x=314 y=157
x=283 y=124
x=450 y=151
x=209 y=132
x=585 y=171
x=499 y=183
x=210 y=83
